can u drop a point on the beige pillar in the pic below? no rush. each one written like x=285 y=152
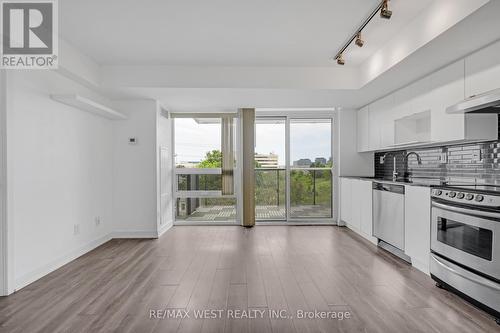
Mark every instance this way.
x=248 y=166
x=227 y=141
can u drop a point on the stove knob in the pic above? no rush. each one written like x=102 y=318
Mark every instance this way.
x=469 y=196
x=460 y=195
x=452 y=194
x=438 y=192
x=479 y=198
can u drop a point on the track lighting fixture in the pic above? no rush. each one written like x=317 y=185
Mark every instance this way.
x=340 y=60
x=385 y=12
x=359 y=42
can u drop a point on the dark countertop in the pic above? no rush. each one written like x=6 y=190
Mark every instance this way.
x=425 y=182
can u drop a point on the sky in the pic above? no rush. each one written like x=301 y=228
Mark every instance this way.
x=307 y=140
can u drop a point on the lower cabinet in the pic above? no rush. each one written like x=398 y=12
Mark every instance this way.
x=418 y=226
x=345 y=199
x=356 y=206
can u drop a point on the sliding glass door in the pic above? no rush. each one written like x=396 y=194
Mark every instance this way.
x=294 y=168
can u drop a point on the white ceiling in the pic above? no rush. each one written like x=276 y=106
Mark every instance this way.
x=227 y=32
x=277 y=38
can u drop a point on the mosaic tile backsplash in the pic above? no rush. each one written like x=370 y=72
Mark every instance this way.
x=474 y=163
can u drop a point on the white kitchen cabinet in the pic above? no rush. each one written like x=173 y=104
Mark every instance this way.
x=448 y=89
x=374 y=117
x=345 y=199
x=364 y=201
x=402 y=118
x=418 y=226
x=355 y=222
x=363 y=129
x=402 y=102
x=356 y=206
x=421 y=95
x=482 y=70
x=387 y=126
x=381 y=123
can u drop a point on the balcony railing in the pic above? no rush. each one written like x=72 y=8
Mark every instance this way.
x=310 y=193
x=199 y=196
x=270 y=193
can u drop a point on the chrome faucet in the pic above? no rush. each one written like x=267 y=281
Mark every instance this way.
x=405 y=160
x=419 y=159
x=394 y=169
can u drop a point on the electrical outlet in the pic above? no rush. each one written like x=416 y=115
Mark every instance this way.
x=97 y=221
x=76 y=229
x=444 y=158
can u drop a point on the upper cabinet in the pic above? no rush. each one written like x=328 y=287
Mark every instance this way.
x=387 y=112
x=447 y=89
x=363 y=127
x=482 y=70
x=416 y=115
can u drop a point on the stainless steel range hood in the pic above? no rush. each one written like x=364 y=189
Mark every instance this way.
x=488 y=102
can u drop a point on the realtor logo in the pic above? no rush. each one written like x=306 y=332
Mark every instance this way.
x=29 y=34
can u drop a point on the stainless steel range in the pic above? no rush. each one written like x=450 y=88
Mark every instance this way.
x=465 y=243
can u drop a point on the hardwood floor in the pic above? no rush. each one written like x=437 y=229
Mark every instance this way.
x=283 y=268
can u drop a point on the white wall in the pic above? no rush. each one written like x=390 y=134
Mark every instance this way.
x=135 y=169
x=68 y=167
x=59 y=175
x=3 y=220
x=350 y=162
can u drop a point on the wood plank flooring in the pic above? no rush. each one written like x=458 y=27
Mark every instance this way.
x=283 y=269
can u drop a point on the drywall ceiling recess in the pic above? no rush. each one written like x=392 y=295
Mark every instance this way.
x=89 y=105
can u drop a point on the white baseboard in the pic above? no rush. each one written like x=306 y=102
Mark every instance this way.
x=40 y=272
x=59 y=262
x=134 y=234
x=164 y=228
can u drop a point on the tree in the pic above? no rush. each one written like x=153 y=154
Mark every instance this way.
x=213 y=159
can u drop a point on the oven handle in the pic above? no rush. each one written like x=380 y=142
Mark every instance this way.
x=465 y=276
x=466 y=211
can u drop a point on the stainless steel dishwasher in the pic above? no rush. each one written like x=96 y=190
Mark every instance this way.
x=389 y=217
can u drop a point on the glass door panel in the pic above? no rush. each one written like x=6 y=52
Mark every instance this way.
x=204 y=149
x=311 y=168
x=310 y=193
x=270 y=169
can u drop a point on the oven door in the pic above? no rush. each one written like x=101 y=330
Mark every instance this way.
x=468 y=237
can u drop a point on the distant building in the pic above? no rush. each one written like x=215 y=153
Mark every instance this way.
x=188 y=164
x=269 y=161
x=303 y=162
x=320 y=160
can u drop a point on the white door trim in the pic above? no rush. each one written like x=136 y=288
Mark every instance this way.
x=3 y=182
